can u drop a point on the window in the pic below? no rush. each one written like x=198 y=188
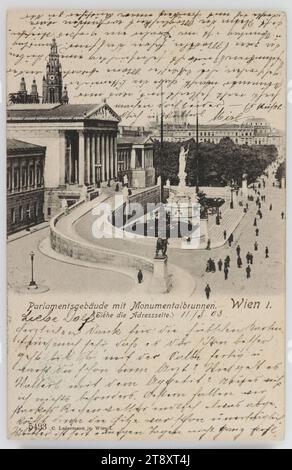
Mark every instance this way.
x=28 y=211
x=8 y=180
x=49 y=211
x=12 y=214
x=21 y=213
x=31 y=176
x=23 y=178
x=38 y=176
x=15 y=179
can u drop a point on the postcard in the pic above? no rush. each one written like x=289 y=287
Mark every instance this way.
x=146 y=222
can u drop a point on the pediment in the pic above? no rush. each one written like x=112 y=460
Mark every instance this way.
x=104 y=113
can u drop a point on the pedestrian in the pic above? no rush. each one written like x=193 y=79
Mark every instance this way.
x=251 y=259
x=220 y=264
x=227 y=259
x=256 y=246
x=239 y=262
x=267 y=252
x=208 y=291
x=238 y=250
x=282 y=215
x=208 y=244
x=209 y=266
x=140 y=276
x=117 y=188
x=255 y=222
x=225 y=234
x=248 y=258
x=230 y=241
x=248 y=271
x=271 y=207
x=257 y=232
x=226 y=272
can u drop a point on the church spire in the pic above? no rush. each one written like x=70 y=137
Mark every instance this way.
x=53 y=81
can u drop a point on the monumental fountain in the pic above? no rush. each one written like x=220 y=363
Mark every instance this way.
x=183 y=207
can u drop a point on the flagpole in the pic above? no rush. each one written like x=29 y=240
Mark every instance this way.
x=197 y=149
x=161 y=118
x=161 y=139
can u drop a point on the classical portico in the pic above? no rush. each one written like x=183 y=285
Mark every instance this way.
x=81 y=143
x=135 y=160
x=89 y=157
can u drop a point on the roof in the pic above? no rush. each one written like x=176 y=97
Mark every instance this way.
x=18 y=147
x=133 y=140
x=62 y=112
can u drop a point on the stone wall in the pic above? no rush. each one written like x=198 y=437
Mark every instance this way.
x=143 y=197
x=91 y=253
x=147 y=195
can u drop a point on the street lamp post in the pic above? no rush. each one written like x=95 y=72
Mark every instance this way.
x=231 y=200
x=32 y=284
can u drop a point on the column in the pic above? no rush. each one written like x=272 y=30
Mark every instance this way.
x=143 y=157
x=112 y=155
x=107 y=156
x=93 y=158
x=115 y=155
x=87 y=159
x=69 y=156
x=35 y=173
x=81 y=155
x=103 y=162
x=62 y=152
x=97 y=156
x=133 y=159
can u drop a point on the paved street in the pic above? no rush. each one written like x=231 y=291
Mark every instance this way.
x=57 y=275
x=266 y=274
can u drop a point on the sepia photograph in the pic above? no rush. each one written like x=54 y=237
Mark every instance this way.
x=146 y=215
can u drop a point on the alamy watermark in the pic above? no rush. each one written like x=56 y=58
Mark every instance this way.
x=122 y=219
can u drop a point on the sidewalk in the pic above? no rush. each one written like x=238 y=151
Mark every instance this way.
x=231 y=218
x=24 y=233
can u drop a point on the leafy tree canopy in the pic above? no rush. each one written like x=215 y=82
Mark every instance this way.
x=218 y=164
x=281 y=171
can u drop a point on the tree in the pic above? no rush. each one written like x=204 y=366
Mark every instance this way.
x=218 y=164
x=281 y=172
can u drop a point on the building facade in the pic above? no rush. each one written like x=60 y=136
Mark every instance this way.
x=135 y=158
x=25 y=185
x=81 y=143
x=253 y=131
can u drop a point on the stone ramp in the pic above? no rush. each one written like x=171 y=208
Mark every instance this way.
x=231 y=218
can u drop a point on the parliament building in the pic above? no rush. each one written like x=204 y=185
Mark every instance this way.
x=80 y=140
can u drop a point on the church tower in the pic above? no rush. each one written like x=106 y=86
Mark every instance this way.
x=52 y=81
